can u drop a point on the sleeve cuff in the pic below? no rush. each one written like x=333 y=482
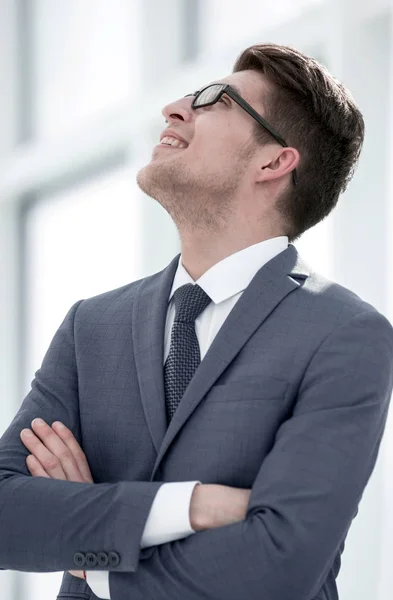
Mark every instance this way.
x=168 y=520
x=98 y=582
x=169 y=517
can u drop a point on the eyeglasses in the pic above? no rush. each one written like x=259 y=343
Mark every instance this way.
x=212 y=94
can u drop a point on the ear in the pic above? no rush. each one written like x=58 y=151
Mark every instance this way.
x=276 y=163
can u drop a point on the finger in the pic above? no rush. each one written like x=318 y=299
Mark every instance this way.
x=69 y=440
x=77 y=574
x=46 y=458
x=58 y=448
x=35 y=468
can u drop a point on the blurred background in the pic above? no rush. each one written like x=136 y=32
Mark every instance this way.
x=82 y=87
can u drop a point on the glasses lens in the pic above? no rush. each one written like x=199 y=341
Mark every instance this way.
x=209 y=95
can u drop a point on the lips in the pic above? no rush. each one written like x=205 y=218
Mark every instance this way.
x=170 y=133
x=172 y=142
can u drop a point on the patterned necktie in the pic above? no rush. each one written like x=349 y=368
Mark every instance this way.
x=184 y=354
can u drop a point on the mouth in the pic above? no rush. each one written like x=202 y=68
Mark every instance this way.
x=166 y=147
x=171 y=142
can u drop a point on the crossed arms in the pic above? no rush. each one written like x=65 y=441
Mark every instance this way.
x=302 y=501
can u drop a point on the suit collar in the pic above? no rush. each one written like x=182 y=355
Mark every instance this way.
x=233 y=274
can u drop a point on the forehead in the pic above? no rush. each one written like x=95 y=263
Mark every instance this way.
x=251 y=85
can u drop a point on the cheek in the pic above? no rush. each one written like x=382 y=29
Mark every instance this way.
x=208 y=158
x=215 y=145
x=213 y=134
x=212 y=149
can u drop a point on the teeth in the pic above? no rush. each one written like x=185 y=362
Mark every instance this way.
x=171 y=141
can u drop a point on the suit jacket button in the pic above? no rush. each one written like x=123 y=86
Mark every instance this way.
x=114 y=558
x=80 y=559
x=102 y=559
x=91 y=559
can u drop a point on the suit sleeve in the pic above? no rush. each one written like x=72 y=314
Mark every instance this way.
x=169 y=519
x=306 y=492
x=45 y=522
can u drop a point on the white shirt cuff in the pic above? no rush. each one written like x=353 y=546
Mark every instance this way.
x=98 y=582
x=169 y=517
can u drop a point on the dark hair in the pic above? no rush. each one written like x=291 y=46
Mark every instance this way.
x=315 y=114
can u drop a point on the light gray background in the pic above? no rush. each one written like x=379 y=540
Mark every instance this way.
x=82 y=86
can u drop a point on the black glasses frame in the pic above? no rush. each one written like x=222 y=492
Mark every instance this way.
x=227 y=89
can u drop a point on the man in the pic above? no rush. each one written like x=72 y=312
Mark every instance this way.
x=230 y=408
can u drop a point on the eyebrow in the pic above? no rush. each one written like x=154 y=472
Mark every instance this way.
x=233 y=86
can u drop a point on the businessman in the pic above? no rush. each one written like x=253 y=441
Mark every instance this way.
x=224 y=415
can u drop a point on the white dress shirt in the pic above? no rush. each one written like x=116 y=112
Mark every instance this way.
x=224 y=282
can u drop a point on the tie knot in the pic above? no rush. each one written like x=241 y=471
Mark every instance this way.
x=190 y=301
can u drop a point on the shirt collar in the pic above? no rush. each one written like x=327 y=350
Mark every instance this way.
x=232 y=274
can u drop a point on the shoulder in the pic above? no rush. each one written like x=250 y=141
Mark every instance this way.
x=112 y=305
x=338 y=306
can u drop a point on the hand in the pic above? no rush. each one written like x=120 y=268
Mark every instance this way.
x=214 y=505
x=55 y=454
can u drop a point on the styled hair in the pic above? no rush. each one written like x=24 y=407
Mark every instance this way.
x=315 y=114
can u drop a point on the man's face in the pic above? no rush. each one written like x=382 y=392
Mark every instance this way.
x=203 y=178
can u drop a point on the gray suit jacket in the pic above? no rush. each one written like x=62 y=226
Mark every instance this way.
x=290 y=400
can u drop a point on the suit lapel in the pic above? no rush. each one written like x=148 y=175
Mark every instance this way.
x=148 y=327
x=275 y=280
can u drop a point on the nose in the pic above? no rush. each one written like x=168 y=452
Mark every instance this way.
x=179 y=110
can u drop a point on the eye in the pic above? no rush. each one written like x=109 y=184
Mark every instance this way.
x=225 y=100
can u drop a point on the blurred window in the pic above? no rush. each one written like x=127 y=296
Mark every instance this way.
x=85 y=61
x=226 y=21
x=81 y=241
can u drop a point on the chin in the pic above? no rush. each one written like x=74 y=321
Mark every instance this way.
x=160 y=178
x=154 y=180
x=143 y=178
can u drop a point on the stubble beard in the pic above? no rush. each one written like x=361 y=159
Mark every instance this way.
x=194 y=200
